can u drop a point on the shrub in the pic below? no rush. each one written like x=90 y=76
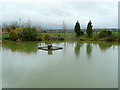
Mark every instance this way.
x=29 y=34
x=81 y=33
x=109 y=33
x=105 y=33
x=45 y=31
x=15 y=34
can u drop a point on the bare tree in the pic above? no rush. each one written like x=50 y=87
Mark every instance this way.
x=20 y=24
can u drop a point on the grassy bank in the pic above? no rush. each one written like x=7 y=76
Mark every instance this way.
x=72 y=36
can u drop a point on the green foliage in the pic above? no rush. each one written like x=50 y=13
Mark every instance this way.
x=77 y=29
x=15 y=34
x=25 y=34
x=81 y=33
x=105 y=33
x=89 y=29
x=109 y=33
x=45 y=31
x=29 y=34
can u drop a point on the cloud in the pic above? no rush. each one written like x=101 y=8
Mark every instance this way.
x=51 y=14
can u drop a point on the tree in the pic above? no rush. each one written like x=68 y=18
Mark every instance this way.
x=29 y=34
x=105 y=33
x=15 y=34
x=77 y=29
x=89 y=29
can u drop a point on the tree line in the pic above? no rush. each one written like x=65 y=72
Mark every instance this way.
x=89 y=31
x=30 y=33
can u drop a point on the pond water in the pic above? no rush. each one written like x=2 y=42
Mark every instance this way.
x=77 y=65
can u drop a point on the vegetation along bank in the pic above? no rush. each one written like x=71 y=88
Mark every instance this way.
x=30 y=33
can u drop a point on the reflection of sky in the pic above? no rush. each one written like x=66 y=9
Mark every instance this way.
x=62 y=66
x=119 y=15
x=51 y=14
x=0 y=67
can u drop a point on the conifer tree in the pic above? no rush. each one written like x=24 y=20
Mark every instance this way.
x=77 y=29
x=89 y=29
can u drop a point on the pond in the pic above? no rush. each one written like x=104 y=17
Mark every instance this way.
x=77 y=65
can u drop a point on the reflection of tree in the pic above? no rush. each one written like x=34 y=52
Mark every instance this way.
x=77 y=49
x=25 y=47
x=47 y=42
x=104 y=46
x=49 y=52
x=89 y=49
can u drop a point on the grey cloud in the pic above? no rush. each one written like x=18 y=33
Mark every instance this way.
x=52 y=14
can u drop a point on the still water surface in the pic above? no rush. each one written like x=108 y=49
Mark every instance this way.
x=77 y=65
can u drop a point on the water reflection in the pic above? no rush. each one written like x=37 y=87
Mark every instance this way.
x=89 y=49
x=77 y=49
x=61 y=67
x=104 y=46
x=49 y=52
x=0 y=66
x=31 y=47
x=26 y=47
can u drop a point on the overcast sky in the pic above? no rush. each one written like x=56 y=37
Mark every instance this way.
x=51 y=13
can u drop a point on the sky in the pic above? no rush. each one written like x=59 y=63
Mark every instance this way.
x=50 y=14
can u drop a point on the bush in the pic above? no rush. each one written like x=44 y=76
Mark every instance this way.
x=45 y=31
x=81 y=33
x=105 y=33
x=29 y=34
x=15 y=34
x=109 y=33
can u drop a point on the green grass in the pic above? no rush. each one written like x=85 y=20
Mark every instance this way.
x=0 y=35
x=61 y=34
x=117 y=34
x=4 y=35
x=42 y=35
x=70 y=35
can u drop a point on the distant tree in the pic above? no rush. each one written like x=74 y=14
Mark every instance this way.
x=105 y=33
x=89 y=29
x=77 y=29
